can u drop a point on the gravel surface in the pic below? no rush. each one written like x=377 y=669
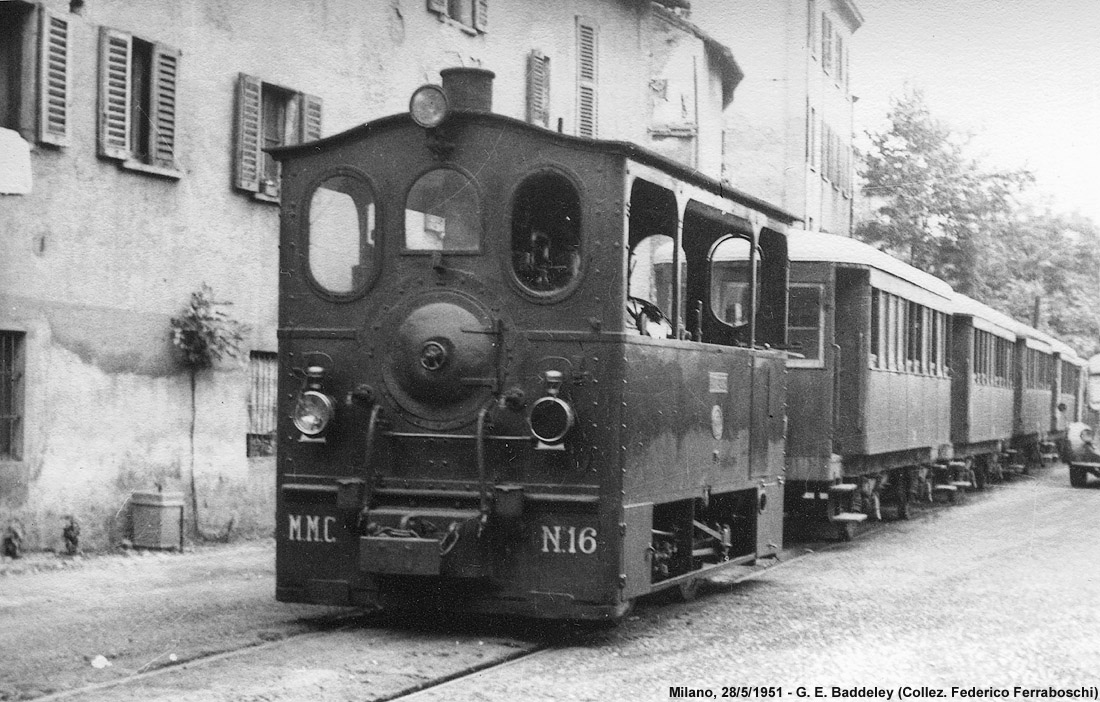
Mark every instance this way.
x=1000 y=591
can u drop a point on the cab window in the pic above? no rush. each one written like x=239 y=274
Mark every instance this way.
x=443 y=213
x=341 y=234
x=546 y=233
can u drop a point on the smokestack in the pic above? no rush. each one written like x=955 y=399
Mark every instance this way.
x=468 y=89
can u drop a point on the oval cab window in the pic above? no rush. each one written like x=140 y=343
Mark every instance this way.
x=341 y=234
x=443 y=213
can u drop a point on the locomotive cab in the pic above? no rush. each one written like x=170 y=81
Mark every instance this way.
x=470 y=418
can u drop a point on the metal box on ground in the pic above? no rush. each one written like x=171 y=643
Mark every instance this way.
x=157 y=519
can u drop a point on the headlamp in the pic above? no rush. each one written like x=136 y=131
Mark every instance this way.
x=428 y=106
x=313 y=412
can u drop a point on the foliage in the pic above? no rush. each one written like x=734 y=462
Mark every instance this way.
x=204 y=333
x=942 y=212
x=939 y=209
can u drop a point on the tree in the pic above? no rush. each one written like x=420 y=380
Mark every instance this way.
x=204 y=334
x=937 y=208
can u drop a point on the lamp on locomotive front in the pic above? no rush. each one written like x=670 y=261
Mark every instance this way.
x=428 y=106
x=314 y=410
x=463 y=90
x=551 y=417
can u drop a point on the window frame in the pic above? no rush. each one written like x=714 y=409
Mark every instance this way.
x=476 y=187
x=43 y=87
x=117 y=105
x=13 y=392
x=538 y=88
x=445 y=11
x=262 y=403
x=588 y=77
x=555 y=295
x=248 y=166
x=365 y=235
x=818 y=362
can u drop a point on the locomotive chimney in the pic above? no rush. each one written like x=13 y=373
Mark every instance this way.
x=468 y=89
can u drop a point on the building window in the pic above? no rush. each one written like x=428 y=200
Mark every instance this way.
x=472 y=14
x=826 y=43
x=11 y=395
x=538 y=88
x=263 y=368
x=138 y=83
x=268 y=116
x=811 y=27
x=35 y=81
x=838 y=58
x=587 y=78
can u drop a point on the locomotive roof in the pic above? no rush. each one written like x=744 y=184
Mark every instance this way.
x=624 y=149
x=808 y=246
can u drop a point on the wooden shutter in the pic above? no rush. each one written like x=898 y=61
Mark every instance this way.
x=54 y=81
x=538 y=88
x=249 y=108
x=439 y=6
x=165 y=82
x=481 y=15
x=587 y=77
x=114 y=93
x=310 y=118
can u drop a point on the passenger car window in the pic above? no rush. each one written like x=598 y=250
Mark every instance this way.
x=546 y=233
x=443 y=213
x=341 y=239
x=804 y=322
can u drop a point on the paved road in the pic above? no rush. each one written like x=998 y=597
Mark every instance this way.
x=1001 y=591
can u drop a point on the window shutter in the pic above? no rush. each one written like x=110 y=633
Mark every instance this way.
x=114 y=93
x=54 y=81
x=587 y=77
x=538 y=88
x=439 y=6
x=310 y=119
x=248 y=132
x=165 y=82
x=481 y=15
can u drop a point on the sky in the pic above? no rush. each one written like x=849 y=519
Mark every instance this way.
x=1023 y=76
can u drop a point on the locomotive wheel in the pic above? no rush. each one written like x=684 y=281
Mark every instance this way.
x=1078 y=476
x=688 y=590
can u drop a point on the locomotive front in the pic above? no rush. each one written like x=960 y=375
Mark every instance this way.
x=445 y=429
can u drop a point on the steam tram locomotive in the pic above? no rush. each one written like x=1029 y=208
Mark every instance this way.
x=491 y=396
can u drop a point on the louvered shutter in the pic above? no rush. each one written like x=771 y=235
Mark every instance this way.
x=481 y=15
x=587 y=76
x=54 y=81
x=114 y=93
x=437 y=6
x=538 y=88
x=165 y=83
x=249 y=107
x=310 y=119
